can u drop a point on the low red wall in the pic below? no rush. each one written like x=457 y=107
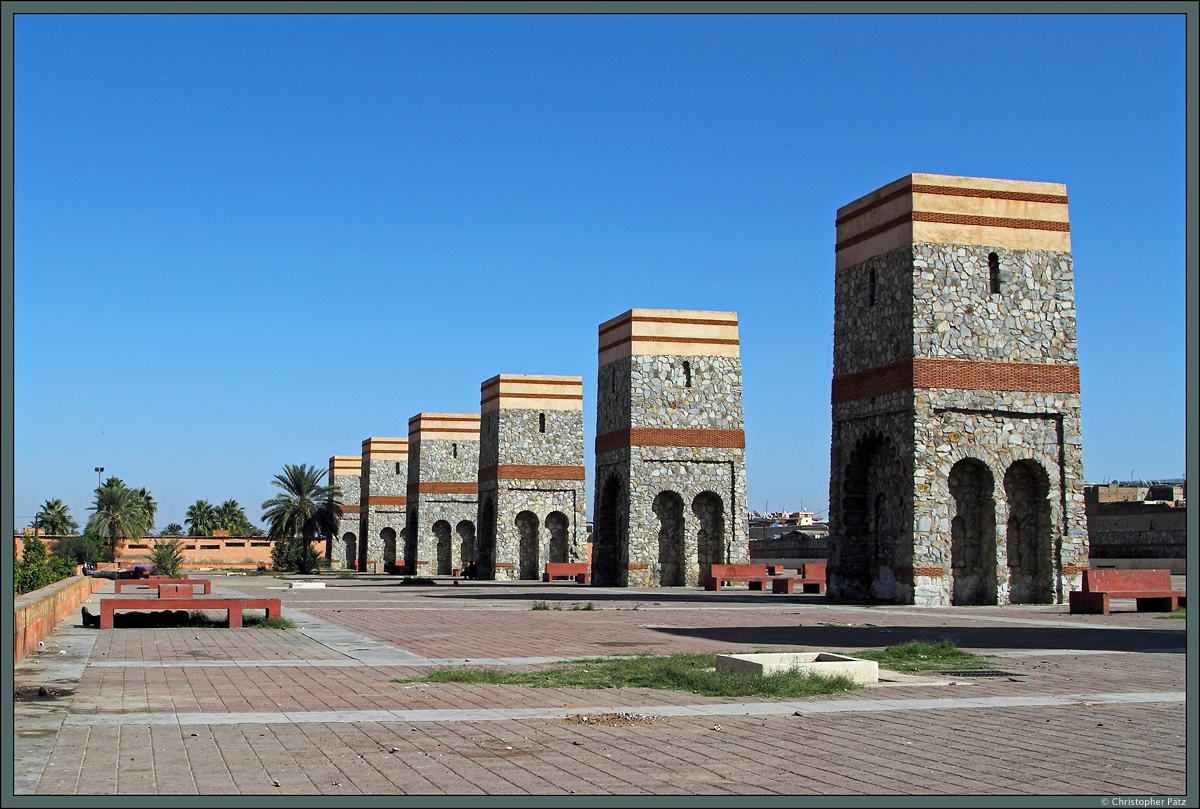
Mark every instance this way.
x=36 y=613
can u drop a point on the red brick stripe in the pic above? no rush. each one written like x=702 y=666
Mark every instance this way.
x=578 y=397
x=349 y=509
x=902 y=219
x=953 y=219
x=434 y=487
x=386 y=500
x=634 y=566
x=419 y=430
x=951 y=191
x=935 y=572
x=657 y=339
x=658 y=437
x=1070 y=570
x=510 y=471
x=956 y=375
x=691 y=321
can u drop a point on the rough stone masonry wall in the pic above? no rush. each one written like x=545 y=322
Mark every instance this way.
x=380 y=479
x=956 y=317
x=434 y=461
x=350 y=486
x=514 y=437
x=649 y=391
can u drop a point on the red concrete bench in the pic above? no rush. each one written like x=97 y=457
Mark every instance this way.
x=754 y=575
x=154 y=581
x=567 y=570
x=1150 y=588
x=233 y=606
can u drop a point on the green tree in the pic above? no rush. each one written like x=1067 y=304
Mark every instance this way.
x=167 y=557
x=304 y=511
x=35 y=570
x=150 y=507
x=118 y=513
x=55 y=519
x=232 y=517
x=201 y=518
x=172 y=530
x=79 y=550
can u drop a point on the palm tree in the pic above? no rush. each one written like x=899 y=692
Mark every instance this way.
x=55 y=519
x=118 y=513
x=149 y=505
x=232 y=518
x=200 y=518
x=172 y=530
x=304 y=511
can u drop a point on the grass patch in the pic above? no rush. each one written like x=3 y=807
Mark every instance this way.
x=921 y=655
x=260 y=622
x=540 y=605
x=694 y=673
x=1178 y=612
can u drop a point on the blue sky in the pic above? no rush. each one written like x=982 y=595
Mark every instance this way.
x=246 y=241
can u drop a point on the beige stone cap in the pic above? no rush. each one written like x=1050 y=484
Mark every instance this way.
x=444 y=426
x=345 y=465
x=385 y=449
x=941 y=209
x=672 y=332
x=531 y=392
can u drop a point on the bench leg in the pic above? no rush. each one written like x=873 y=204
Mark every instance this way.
x=1087 y=603
x=235 y=617
x=274 y=611
x=106 y=616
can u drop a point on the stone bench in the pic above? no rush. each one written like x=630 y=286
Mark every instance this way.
x=232 y=606
x=1150 y=588
x=567 y=570
x=155 y=581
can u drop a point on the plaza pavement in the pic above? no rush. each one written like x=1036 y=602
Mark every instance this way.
x=1089 y=704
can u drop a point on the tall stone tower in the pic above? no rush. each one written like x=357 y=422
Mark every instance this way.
x=442 y=486
x=956 y=466
x=345 y=472
x=531 y=493
x=383 y=502
x=670 y=449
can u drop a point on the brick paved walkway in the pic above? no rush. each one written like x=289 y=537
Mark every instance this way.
x=1095 y=704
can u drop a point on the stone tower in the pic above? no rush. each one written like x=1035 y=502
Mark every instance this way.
x=955 y=467
x=442 y=486
x=531 y=493
x=345 y=472
x=670 y=450
x=383 y=502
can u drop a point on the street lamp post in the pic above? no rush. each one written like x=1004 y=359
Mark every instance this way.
x=99 y=469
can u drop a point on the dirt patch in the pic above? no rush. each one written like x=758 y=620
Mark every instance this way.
x=29 y=693
x=615 y=719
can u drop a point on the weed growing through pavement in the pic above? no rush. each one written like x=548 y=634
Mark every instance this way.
x=693 y=673
x=540 y=605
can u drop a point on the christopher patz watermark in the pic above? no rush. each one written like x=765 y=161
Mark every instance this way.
x=1143 y=801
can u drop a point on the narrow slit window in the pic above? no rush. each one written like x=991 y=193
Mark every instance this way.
x=397 y=467
x=541 y=422
x=454 y=450
x=871 y=287
x=687 y=374
x=994 y=273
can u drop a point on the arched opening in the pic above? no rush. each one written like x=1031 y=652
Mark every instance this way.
x=528 y=545
x=710 y=538
x=972 y=534
x=410 y=544
x=466 y=542
x=560 y=537
x=485 y=559
x=388 y=535
x=872 y=513
x=668 y=507
x=441 y=545
x=350 y=544
x=994 y=273
x=607 y=540
x=1028 y=538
